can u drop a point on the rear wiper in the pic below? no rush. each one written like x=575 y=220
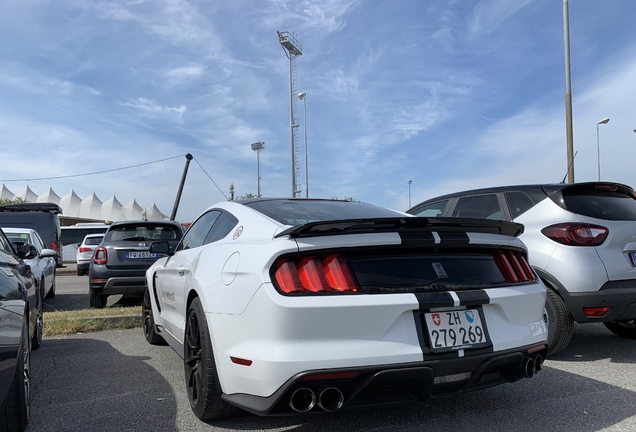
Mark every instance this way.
x=137 y=238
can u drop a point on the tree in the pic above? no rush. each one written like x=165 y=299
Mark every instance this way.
x=16 y=200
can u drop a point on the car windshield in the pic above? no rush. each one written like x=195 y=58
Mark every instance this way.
x=142 y=232
x=19 y=237
x=297 y=212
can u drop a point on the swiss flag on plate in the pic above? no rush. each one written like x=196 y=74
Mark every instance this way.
x=437 y=320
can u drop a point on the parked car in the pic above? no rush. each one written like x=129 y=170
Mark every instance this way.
x=286 y=306
x=17 y=331
x=85 y=252
x=581 y=242
x=42 y=217
x=120 y=261
x=42 y=260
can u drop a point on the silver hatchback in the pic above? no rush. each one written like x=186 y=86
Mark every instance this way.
x=581 y=240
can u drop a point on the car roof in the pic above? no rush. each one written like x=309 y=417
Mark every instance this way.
x=17 y=230
x=94 y=235
x=145 y=222
x=545 y=188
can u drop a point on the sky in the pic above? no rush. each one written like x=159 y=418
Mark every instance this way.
x=405 y=99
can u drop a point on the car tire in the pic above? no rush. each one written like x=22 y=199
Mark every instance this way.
x=36 y=341
x=149 y=321
x=18 y=402
x=51 y=293
x=80 y=272
x=202 y=381
x=624 y=329
x=97 y=300
x=560 y=323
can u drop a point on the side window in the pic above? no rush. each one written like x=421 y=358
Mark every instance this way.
x=518 y=203
x=222 y=227
x=479 y=206
x=199 y=230
x=431 y=210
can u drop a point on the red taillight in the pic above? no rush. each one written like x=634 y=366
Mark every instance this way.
x=53 y=246
x=84 y=249
x=514 y=267
x=314 y=274
x=100 y=256
x=576 y=234
x=596 y=311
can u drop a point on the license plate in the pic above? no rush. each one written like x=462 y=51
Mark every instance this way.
x=140 y=254
x=456 y=330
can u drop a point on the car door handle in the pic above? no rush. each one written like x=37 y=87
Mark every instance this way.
x=181 y=270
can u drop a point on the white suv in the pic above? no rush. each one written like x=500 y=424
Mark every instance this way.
x=581 y=240
x=85 y=252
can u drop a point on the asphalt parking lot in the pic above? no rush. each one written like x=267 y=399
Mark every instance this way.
x=114 y=380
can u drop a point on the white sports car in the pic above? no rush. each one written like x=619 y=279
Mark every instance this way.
x=283 y=306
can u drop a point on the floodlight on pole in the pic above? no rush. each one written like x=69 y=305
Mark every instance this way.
x=303 y=97
x=598 y=145
x=257 y=147
x=292 y=49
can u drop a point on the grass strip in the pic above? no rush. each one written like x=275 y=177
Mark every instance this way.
x=61 y=323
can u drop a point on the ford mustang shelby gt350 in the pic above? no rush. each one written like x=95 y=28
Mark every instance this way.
x=284 y=306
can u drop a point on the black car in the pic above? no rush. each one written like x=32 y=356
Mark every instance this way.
x=120 y=261
x=18 y=315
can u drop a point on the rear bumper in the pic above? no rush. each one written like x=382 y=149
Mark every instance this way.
x=330 y=390
x=132 y=286
x=621 y=299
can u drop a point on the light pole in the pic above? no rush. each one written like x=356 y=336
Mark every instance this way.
x=410 y=181
x=303 y=97
x=257 y=147
x=568 y=93
x=598 y=145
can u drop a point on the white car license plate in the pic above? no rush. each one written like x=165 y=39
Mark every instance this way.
x=455 y=330
x=140 y=254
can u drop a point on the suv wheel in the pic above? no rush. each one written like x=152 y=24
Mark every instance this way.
x=560 y=323
x=624 y=329
x=97 y=300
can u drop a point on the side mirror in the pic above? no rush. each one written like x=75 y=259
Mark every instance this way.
x=162 y=247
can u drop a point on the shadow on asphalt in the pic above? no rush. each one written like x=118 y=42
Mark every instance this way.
x=84 y=384
x=66 y=302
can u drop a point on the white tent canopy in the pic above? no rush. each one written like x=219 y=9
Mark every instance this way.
x=90 y=207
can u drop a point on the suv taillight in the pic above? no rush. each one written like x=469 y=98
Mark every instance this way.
x=84 y=249
x=100 y=256
x=53 y=246
x=313 y=274
x=576 y=234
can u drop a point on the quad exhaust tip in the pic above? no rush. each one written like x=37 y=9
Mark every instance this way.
x=304 y=399
x=331 y=399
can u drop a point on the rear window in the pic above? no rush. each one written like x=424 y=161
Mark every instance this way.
x=142 y=232
x=606 y=205
x=298 y=212
x=93 y=241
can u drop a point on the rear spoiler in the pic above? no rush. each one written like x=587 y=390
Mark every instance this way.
x=406 y=224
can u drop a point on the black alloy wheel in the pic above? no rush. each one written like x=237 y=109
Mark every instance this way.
x=202 y=382
x=15 y=411
x=39 y=318
x=150 y=332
